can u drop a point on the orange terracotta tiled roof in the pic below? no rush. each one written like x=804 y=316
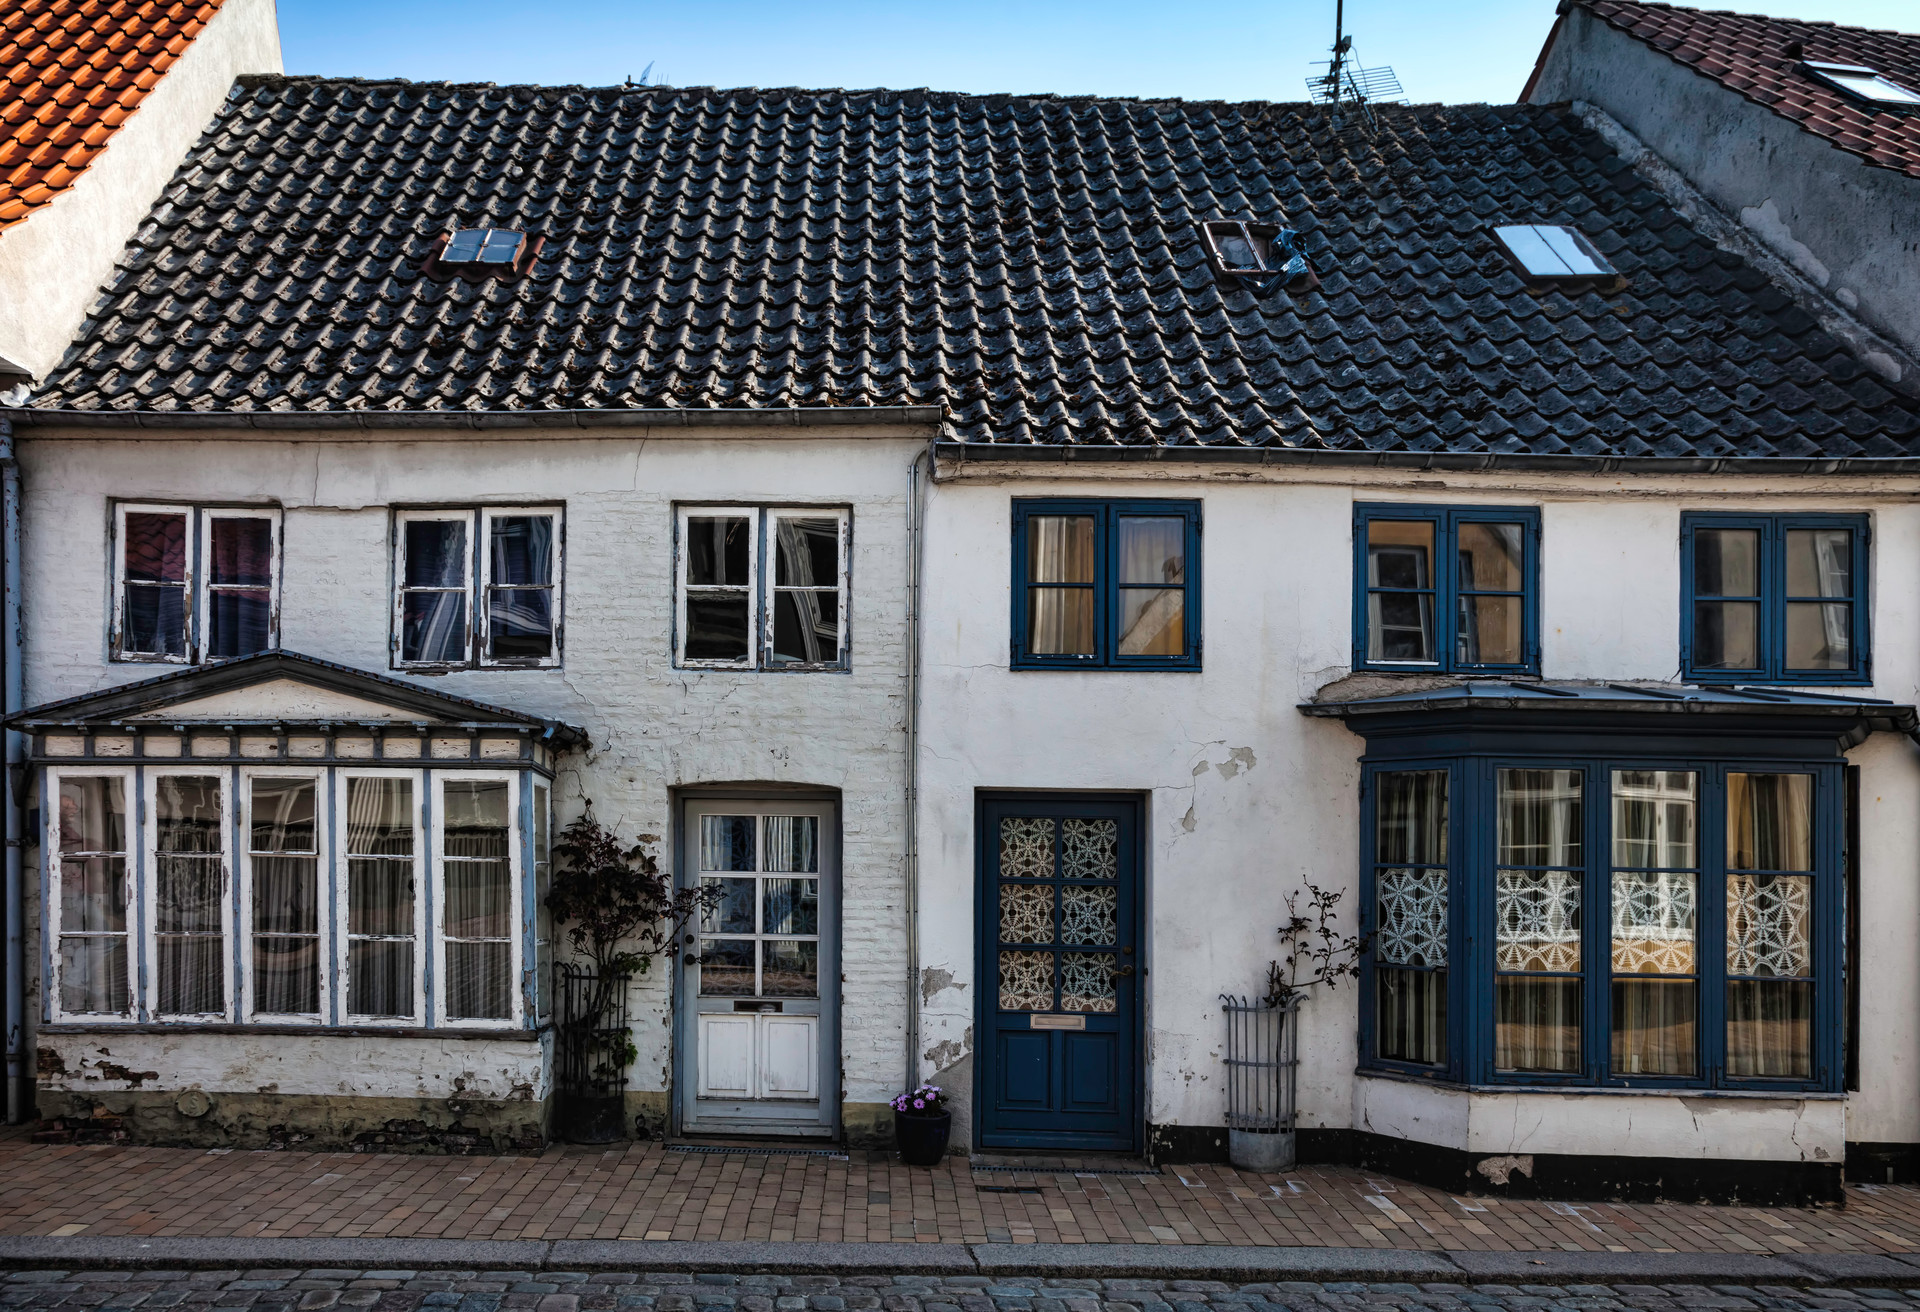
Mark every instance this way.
x=1751 y=55
x=71 y=71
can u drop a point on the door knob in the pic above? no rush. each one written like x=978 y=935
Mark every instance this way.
x=689 y=960
x=1124 y=970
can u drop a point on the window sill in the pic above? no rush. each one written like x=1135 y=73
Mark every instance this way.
x=326 y=1031
x=1596 y=1090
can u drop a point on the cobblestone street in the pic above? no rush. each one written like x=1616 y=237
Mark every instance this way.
x=315 y=1290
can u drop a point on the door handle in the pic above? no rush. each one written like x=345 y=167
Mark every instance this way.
x=1124 y=970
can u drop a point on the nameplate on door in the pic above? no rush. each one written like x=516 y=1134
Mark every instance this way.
x=1058 y=1022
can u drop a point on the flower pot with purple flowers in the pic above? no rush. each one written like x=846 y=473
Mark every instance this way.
x=921 y=1124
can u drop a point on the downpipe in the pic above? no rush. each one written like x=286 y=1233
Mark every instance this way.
x=916 y=516
x=11 y=676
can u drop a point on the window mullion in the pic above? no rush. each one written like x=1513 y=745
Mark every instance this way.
x=1710 y=963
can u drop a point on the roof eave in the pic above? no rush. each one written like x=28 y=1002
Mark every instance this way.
x=1456 y=460
x=299 y=420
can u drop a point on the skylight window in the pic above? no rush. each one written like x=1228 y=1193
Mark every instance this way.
x=1260 y=254
x=475 y=253
x=1548 y=250
x=483 y=246
x=1864 y=83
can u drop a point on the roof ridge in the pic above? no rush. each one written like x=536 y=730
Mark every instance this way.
x=1756 y=18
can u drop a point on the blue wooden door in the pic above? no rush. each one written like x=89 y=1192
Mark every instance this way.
x=1058 y=1064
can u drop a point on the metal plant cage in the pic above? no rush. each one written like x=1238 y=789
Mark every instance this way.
x=593 y=1044
x=1262 y=1065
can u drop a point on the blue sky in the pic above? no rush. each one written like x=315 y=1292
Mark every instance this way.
x=1445 y=50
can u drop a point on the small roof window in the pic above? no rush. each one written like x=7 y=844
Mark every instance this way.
x=1262 y=255
x=482 y=253
x=1863 y=83
x=1551 y=250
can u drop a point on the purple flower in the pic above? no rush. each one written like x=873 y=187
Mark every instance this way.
x=919 y=1103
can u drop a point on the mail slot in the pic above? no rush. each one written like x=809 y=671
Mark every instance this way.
x=759 y=1006
x=1058 y=1022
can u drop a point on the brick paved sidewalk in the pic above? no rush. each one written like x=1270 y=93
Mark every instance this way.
x=648 y=1191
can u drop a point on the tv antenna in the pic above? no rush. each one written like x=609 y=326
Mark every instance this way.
x=1346 y=82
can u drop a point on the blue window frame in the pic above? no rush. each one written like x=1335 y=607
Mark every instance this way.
x=1774 y=599
x=1446 y=589
x=1649 y=919
x=1106 y=585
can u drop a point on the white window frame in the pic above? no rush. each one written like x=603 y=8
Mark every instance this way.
x=774 y=515
x=422 y=947
x=540 y=790
x=482 y=604
x=203 y=588
x=150 y=890
x=323 y=872
x=762 y=573
x=199 y=549
x=50 y=813
x=516 y=911
x=752 y=515
x=476 y=583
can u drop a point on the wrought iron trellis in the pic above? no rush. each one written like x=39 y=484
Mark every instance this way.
x=592 y=1049
x=1262 y=1058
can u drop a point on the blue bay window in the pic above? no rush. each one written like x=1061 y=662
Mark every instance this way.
x=1563 y=886
x=1446 y=589
x=1106 y=584
x=1774 y=599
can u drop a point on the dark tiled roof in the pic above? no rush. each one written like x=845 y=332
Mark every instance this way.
x=71 y=72
x=1748 y=54
x=1031 y=264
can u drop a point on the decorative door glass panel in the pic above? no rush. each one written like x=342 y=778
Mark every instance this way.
x=1026 y=913
x=1026 y=849
x=1090 y=848
x=1026 y=981
x=1769 y=918
x=1655 y=881
x=1411 y=916
x=1537 y=894
x=1089 y=915
x=762 y=937
x=1087 y=981
x=1077 y=905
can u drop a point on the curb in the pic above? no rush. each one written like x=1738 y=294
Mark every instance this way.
x=1236 y=1263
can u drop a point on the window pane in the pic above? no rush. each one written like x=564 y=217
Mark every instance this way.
x=1769 y=821
x=478 y=871
x=520 y=624
x=1819 y=562
x=238 y=622
x=1153 y=551
x=1087 y=982
x=286 y=975
x=1726 y=562
x=93 y=815
x=1653 y=922
x=1540 y=818
x=733 y=914
x=1770 y=925
x=792 y=970
x=1399 y=554
x=380 y=977
x=1410 y=1015
x=156 y=621
x=726 y=842
x=476 y=817
x=156 y=549
x=1060 y=549
x=521 y=548
x=93 y=975
x=380 y=817
x=791 y=906
x=189 y=896
x=1725 y=635
x=1026 y=981
x=806 y=627
x=477 y=981
x=1060 y=621
x=726 y=967
x=93 y=895
x=1489 y=630
x=1653 y=1029
x=1770 y=1029
x=380 y=896
x=285 y=895
x=1489 y=557
x=1537 y=920
x=192 y=974
x=283 y=816
x=1400 y=626
x=793 y=843
x=1153 y=622
x=433 y=627
x=1537 y=1024
x=189 y=813
x=1653 y=819
x=478 y=899
x=1819 y=635
x=717 y=550
x=242 y=551
x=1410 y=824
x=806 y=552
x=717 y=627
x=436 y=551
x=1412 y=917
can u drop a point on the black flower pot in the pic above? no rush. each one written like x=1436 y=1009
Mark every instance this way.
x=922 y=1138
